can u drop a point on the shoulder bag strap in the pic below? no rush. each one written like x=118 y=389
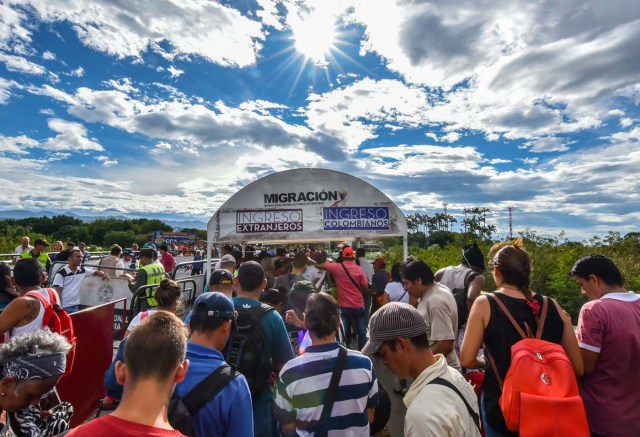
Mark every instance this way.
x=332 y=393
x=543 y=317
x=506 y=311
x=351 y=277
x=473 y=414
x=405 y=292
x=208 y=388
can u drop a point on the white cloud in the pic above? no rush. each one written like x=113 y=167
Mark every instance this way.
x=499 y=161
x=78 y=72
x=217 y=33
x=21 y=65
x=16 y=145
x=548 y=144
x=174 y=71
x=353 y=113
x=5 y=89
x=106 y=161
x=529 y=160
x=632 y=136
x=48 y=56
x=72 y=136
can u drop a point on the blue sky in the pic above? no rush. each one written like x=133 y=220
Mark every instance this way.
x=158 y=106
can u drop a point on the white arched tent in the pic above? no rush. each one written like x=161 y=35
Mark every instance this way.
x=306 y=205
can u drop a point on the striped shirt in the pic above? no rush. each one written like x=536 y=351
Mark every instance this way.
x=303 y=385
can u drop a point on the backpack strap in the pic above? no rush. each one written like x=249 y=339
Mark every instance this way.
x=506 y=311
x=543 y=317
x=332 y=393
x=208 y=388
x=444 y=382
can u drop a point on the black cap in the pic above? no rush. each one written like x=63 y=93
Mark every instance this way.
x=41 y=242
x=221 y=277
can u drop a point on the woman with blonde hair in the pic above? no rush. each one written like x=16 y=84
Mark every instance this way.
x=489 y=325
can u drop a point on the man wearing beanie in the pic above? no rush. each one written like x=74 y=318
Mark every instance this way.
x=465 y=282
x=398 y=336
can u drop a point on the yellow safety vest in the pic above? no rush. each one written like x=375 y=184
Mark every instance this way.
x=155 y=274
x=43 y=258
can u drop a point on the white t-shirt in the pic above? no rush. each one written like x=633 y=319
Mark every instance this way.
x=138 y=318
x=396 y=291
x=70 y=281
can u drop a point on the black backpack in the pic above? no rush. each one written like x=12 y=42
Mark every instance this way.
x=247 y=351
x=181 y=411
x=461 y=294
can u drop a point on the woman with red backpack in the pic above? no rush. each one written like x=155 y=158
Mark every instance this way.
x=514 y=314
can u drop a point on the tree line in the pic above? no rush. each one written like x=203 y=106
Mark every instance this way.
x=99 y=233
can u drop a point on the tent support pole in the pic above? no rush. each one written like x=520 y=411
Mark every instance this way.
x=405 y=246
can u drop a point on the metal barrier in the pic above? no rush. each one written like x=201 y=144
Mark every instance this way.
x=189 y=293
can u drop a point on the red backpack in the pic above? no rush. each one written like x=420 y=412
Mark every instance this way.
x=540 y=394
x=58 y=321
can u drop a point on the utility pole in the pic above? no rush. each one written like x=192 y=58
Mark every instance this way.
x=510 y=222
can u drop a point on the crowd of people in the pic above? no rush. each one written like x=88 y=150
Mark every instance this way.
x=270 y=347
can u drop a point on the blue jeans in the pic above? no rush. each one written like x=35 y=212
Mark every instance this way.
x=358 y=318
x=72 y=309
x=488 y=431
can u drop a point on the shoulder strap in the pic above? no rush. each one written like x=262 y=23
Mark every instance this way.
x=260 y=310
x=405 y=292
x=332 y=393
x=40 y=297
x=543 y=317
x=473 y=414
x=350 y=277
x=506 y=311
x=208 y=388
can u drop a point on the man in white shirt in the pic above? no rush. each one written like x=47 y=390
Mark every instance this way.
x=67 y=281
x=24 y=247
x=440 y=402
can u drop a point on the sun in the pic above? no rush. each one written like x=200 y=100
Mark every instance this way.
x=314 y=36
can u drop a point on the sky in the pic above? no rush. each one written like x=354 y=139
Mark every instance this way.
x=169 y=107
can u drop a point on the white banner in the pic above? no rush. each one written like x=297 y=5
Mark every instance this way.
x=94 y=291
x=306 y=205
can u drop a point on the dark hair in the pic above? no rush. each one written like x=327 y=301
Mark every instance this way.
x=27 y=272
x=280 y=251
x=514 y=265
x=299 y=294
x=146 y=252
x=598 y=265
x=116 y=250
x=395 y=272
x=163 y=246
x=5 y=282
x=419 y=341
x=155 y=349
x=72 y=251
x=300 y=260
x=273 y=296
x=250 y=276
x=414 y=269
x=322 y=314
x=360 y=252
x=167 y=293
x=71 y=243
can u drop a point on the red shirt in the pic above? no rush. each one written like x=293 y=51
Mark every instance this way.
x=349 y=296
x=110 y=426
x=168 y=262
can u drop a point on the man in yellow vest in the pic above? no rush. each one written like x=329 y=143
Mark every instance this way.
x=38 y=252
x=150 y=273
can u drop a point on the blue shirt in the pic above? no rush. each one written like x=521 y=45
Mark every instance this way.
x=227 y=414
x=280 y=351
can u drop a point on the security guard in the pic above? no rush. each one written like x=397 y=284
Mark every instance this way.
x=150 y=273
x=39 y=253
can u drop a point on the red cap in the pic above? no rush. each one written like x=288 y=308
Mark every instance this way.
x=348 y=253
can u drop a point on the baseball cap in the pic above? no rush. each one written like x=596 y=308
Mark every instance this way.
x=348 y=253
x=392 y=321
x=129 y=252
x=41 y=242
x=227 y=259
x=215 y=305
x=221 y=277
x=379 y=261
